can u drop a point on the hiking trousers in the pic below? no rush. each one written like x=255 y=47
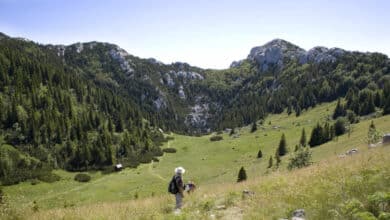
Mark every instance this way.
x=179 y=200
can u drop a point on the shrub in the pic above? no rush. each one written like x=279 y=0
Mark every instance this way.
x=48 y=177
x=339 y=127
x=1 y=195
x=107 y=169
x=34 y=182
x=216 y=138
x=169 y=150
x=254 y=127
x=82 y=177
x=301 y=158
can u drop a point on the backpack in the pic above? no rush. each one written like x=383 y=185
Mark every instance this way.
x=172 y=187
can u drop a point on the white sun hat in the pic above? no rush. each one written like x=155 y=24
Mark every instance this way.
x=180 y=170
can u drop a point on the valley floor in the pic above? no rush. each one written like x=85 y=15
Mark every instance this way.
x=320 y=189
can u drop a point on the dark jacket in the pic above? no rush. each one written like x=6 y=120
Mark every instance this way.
x=179 y=183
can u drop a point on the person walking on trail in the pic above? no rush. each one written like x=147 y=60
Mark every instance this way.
x=176 y=187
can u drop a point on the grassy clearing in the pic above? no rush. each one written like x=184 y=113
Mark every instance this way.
x=320 y=189
x=212 y=165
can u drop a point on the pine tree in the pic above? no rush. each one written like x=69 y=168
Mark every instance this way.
x=386 y=98
x=298 y=111
x=278 y=160
x=282 y=149
x=259 y=154
x=372 y=125
x=339 y=110
x=270 y=162
x=254 y=127
x=232 y=132
x=316 y=136
x=378 y=99
x=339 y=127
x=302 y=141
x=373 y=135
x=241 y=175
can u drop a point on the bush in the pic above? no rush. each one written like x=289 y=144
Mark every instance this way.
x=82 y=177
x=107 y=170
x=216 y=138
x=1 y=195
x=169 y=150
x=48 y=177
x=301 y=158
x=339 y=127
x=34 y=182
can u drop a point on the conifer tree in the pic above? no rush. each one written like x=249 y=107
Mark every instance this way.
x=254 y=127
x=302 y=141
x=316 y=136
x=259 y=154
x=278 y=160
x=339 y=110
x=241 y=175
x=386 y=98
x=282 y=149
x=231 y=132
x=270 y=162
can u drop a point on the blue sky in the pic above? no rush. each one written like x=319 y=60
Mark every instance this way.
x=204 y=33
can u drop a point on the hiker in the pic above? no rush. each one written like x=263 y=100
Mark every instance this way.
x=176 y=187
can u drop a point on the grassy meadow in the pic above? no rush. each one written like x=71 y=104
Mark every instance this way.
x=213 y=166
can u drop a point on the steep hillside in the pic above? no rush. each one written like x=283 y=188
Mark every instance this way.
x=52 y=117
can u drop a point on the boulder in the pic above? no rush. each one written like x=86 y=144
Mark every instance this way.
x=386 y=139
x=299 y=213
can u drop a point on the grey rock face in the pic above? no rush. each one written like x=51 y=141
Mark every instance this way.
x=159 y=103
x=79 y=47
x=182 y=95
x=120 y=55
x=61 y=50
x=189 y=75
x=154 y=61
x=169 y=80
x=323 y=54
x=198 y=116
x=236 y=63
x=275 y=52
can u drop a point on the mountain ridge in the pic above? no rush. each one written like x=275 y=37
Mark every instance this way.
x=112 y=106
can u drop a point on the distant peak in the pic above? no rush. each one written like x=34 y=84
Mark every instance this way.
x=3 y=35
x=274 y=52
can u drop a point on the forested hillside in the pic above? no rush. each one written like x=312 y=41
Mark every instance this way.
x=53 y=117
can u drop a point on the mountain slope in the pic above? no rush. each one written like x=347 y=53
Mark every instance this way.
x=90 y=105
x=55 y=118
x=274 y=76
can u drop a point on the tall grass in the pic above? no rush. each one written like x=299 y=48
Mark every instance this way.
x=320 y=189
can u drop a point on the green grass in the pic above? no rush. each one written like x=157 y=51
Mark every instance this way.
x=207 y=163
